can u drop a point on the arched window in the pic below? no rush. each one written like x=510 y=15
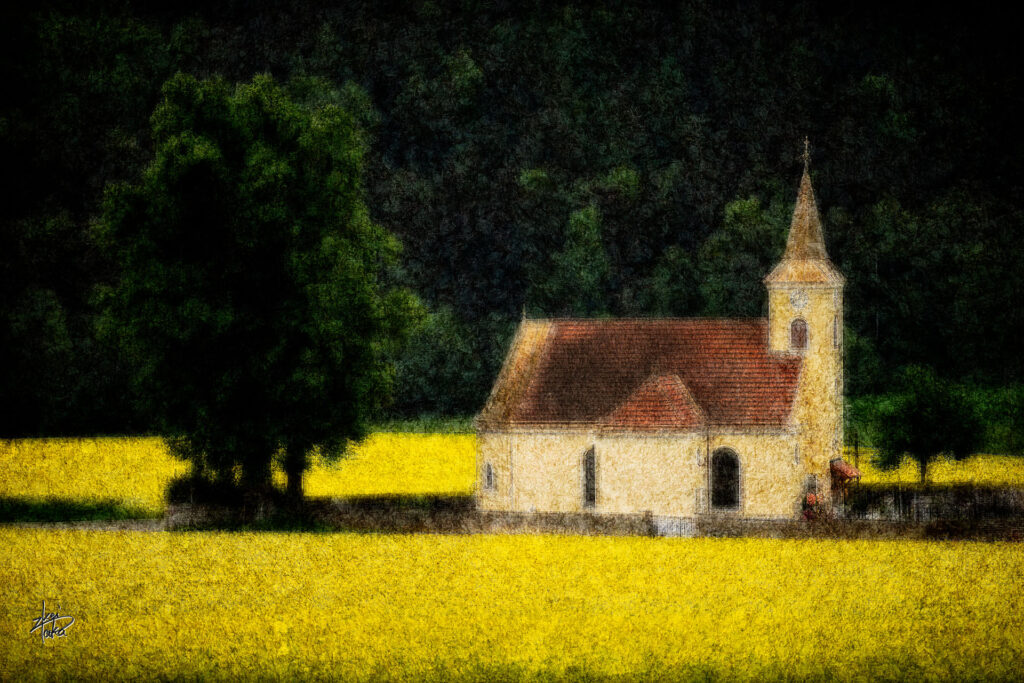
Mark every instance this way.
x=798 y=334
x=488 y=476
x=589 y=478
x=725 y=480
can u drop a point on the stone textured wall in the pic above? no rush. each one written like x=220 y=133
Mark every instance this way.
x=770 y=477
x=638 y=473
x=494 y=448
x=548 y=474
x=819 y=407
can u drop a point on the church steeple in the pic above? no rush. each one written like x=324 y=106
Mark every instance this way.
x=805 y=318
x=805 y=238
x=805 y=259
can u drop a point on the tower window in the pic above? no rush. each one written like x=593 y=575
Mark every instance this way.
x=488 y=476
x=798 y=334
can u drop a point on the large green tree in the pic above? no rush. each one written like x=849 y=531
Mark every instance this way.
x=253 y=297
x=929 y=418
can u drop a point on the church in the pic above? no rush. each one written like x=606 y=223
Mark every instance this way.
x=676 y=418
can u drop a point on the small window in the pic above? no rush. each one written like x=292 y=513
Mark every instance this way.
x=488 y=476
x=798 y=334
x=589 y=478
x=796 y=454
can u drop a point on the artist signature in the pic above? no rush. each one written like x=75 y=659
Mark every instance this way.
x=53 y=620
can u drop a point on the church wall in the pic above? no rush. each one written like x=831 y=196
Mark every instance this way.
x=818 y=407
x=494 y=448
x=770 y=477
x=656 y=473
x=637 y=473
x=548 y=474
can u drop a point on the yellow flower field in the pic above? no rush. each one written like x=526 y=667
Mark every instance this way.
x=983 y=470
x=131 y=471
x=406 y=464
x=135 y=471
x=279 y=605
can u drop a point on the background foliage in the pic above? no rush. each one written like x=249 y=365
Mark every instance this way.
x=928 y=419
x=623 y=159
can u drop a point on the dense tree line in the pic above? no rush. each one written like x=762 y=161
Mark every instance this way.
x=613 y=159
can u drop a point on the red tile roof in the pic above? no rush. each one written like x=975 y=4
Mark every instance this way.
x=663 y=401
x=645 y=374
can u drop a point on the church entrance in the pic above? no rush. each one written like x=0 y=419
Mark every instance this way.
x=725 y=480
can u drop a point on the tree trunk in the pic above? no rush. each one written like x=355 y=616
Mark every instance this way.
x=256 y=475
x=922 y=465
x=294 y=468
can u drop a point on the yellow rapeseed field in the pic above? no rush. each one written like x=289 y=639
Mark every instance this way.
x=983 y=470
x=131 y=471
x=351 y=607
x=365 y=606
x=391 y=463
x=135 y=471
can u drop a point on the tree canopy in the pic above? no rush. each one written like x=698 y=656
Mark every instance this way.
x=252 y=297
x=928 y=419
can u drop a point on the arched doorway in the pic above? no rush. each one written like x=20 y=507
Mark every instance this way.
x=725 y=480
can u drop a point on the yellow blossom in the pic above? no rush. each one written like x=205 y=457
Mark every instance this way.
x=982 y=470
x=408 y=607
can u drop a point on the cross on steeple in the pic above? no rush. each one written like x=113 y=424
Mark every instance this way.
x=807 y=153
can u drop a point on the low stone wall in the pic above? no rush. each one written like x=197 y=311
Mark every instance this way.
x=960 y=503
x=446 y=516
x=459 y=516
x=837 y=528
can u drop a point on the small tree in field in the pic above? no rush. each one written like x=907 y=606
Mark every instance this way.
x=929 y=418
x=251 y=297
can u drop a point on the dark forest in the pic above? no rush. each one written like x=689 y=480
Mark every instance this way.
x=549 y=159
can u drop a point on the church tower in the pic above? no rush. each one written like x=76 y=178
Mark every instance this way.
x=805 y=317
